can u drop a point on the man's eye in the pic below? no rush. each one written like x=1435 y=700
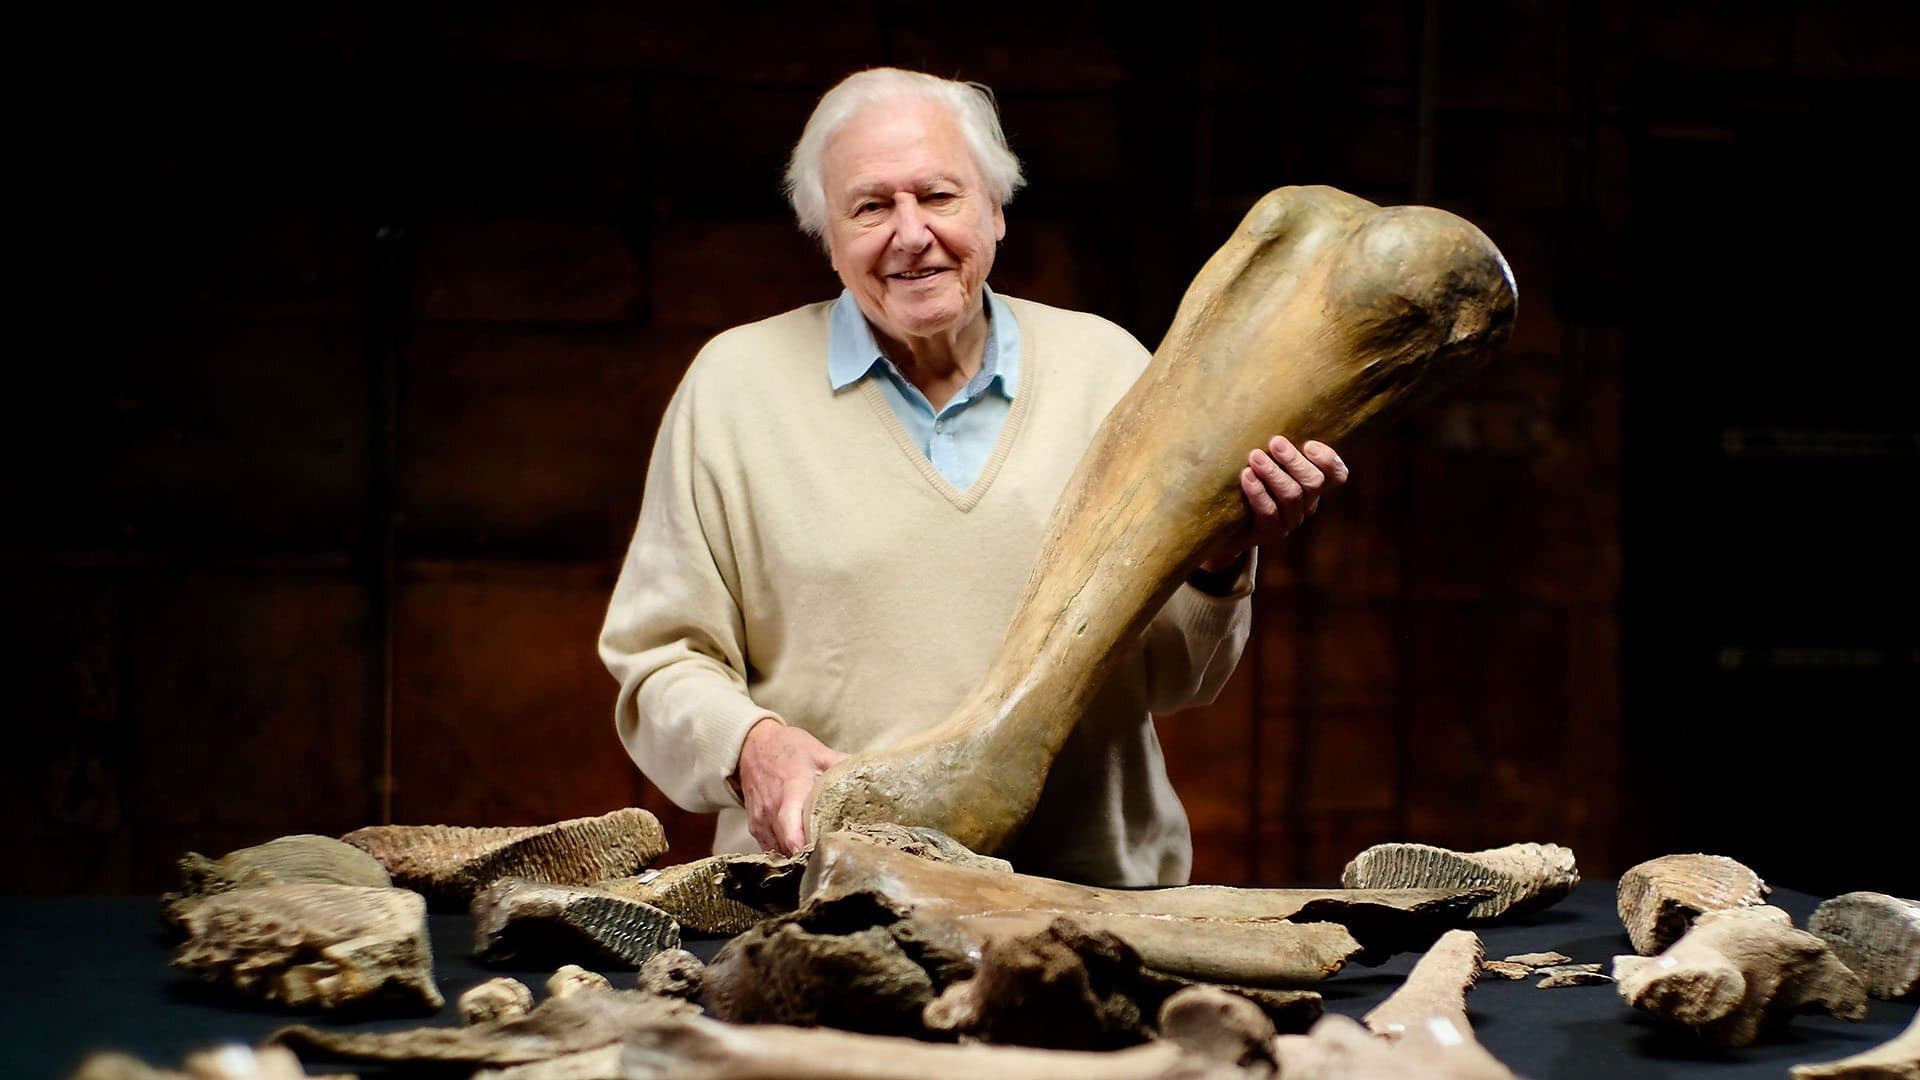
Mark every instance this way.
x=938 y=197
x=866 y=208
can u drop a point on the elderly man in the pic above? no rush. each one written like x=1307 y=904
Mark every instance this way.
x=844 y=501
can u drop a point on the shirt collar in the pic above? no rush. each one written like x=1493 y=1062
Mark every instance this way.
x=852 y=350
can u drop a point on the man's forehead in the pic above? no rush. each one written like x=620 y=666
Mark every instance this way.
x=919 y=182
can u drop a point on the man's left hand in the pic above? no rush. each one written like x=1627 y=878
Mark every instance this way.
x=1283 y=486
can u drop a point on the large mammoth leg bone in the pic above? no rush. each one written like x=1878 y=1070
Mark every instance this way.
x=1319 y=313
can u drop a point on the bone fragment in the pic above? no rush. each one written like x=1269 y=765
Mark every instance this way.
x=232 y=1062
x=512 y=915
x=1539 y=959
x=286 y=860
x=1877 y=936
x=450 y=863
x=1896 y=1059
x=1252 y=952
x=1659 y=898
x=1504 y=969
x=1338 y=1048
x=1436 y=987
x=1739 y=972
x=572 y=979
x=1321 y=312
x=1062 y=988
x=320 y=945
x=1525 y=877
x=496 y=999
x=782 y=973
x=673 y=973
x=628 y=1034
x=1562 y=975
x=1220 y=1025
x=1384 y=921
x=559 y=1026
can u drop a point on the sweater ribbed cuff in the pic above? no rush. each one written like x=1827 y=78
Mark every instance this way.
x=717 y=746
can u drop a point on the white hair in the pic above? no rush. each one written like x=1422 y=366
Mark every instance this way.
x=970 y=103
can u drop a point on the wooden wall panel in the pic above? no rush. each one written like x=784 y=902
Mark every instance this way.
x=532 y=442
x=503 y=712
x=245 y=711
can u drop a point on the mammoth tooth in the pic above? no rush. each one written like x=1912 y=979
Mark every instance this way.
x=1877 y=936
x=324 y=945
x=696 y=894
x=286 y=860
x=512 y=914
x=1739 y=971
x=453 y=862
x=1525 y=877
x=1659 y=899
x=1320 y=313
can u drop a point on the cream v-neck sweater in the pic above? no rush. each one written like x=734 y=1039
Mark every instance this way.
x=797 y=556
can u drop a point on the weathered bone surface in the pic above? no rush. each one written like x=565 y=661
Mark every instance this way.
x=869 y=979
x=559 y=1026
x=1338 y=1048
x=232 y=1062
x=1739 y=972
x=1538 y=959
x=1384 y=921
x=1223 y=1026
x=1252 y=952
x=1524 y=877
x=1896 y=1059
x=622 y=1033
x=287 y=860
x=673 y=973
x=1436 y=987
x=573 y=979
x=450 y=863
x=1319 y=313
x=513 y=915
x=1563 y=975
x=1659 y=899
x=1876 y=935
x=1503 y=969
x=496 y=1000
x=323 y=945
x=1062 y=988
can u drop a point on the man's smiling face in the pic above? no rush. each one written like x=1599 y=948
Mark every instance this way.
x=910 y=226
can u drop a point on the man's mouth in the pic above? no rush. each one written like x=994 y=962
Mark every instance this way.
x=918 y=275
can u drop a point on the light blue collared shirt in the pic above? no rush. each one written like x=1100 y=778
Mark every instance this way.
x=960 y=438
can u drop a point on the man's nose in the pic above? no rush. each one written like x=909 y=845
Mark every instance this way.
x=910 y=231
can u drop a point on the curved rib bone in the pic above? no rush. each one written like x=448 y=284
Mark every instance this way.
x=1320 y=312
x=1437 y=986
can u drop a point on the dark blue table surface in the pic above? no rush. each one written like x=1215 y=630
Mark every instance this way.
x=91 y=973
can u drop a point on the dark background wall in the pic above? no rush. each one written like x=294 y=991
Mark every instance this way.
x=346 y=330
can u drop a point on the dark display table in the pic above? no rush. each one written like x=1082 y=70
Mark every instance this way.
x=91 y=973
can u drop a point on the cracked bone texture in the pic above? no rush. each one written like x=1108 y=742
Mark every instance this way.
x=318 y=945
x=1896 y=1059
x=1319 y=314
x=301 y=859
x=1383 y=921
x=1659 y=899
x=1524 y=877
x=1738 y=973
x=1564 y=975
x=673 y=973
x=578 y=920
x=496 y=999
x=1437 y=986
x=1062 y=988
x=450 y=863
x=1339 y=1048
x=694 y=894
x=1877 y=936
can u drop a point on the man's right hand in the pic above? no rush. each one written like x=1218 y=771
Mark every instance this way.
x=778 y=766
